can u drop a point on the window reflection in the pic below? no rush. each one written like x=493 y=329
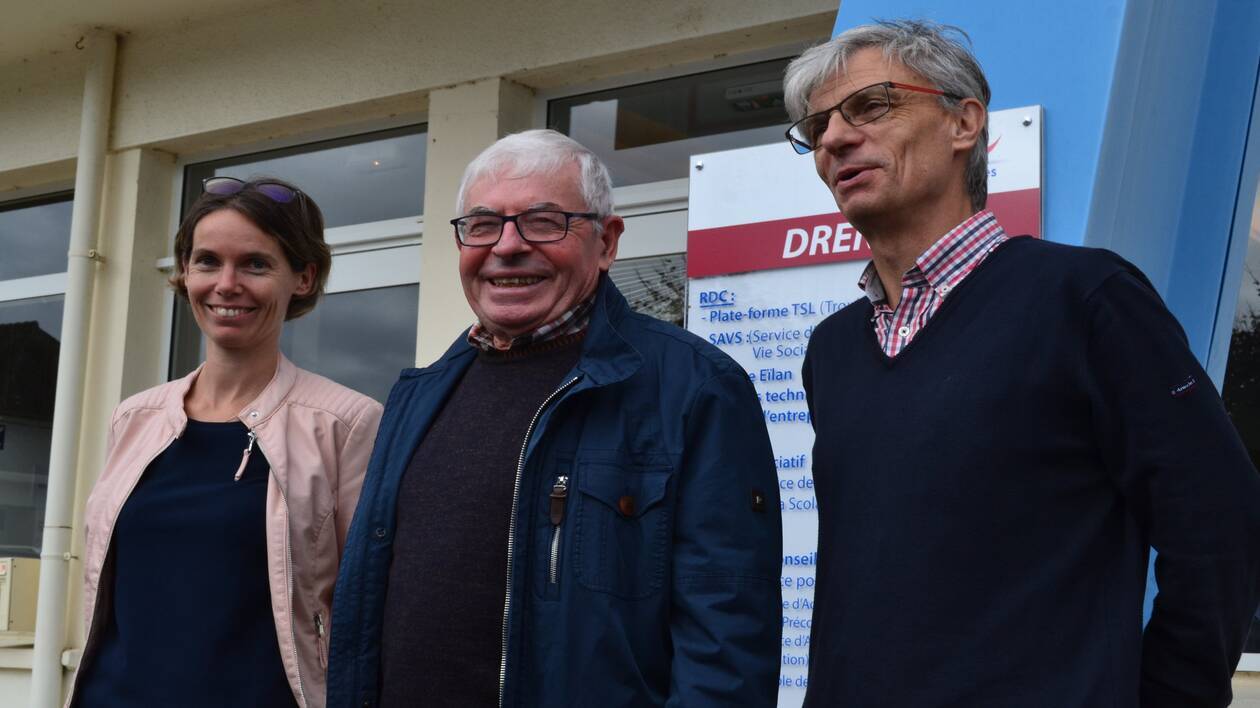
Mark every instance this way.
x=354 y=180
x=30 y=334
x=34 y=237
x=360 y=339
x=1242 y=372
x=646 y=132
x=655 y=286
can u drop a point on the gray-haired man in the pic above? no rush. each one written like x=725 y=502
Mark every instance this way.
x=576 y=505
x=1004 y=427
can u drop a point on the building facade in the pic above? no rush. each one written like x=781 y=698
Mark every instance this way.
x=372 y=108
x=111 y=115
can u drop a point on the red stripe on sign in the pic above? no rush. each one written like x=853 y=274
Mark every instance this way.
x=1018 y=212
x=821 y=238
x=784 y=243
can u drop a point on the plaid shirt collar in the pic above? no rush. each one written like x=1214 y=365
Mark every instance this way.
x=571 y=322
x=945 y=263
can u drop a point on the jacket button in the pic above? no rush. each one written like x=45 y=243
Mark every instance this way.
x=380 y=532
x=626 y=505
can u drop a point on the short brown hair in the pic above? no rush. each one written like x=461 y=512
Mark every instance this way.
x=298 y=226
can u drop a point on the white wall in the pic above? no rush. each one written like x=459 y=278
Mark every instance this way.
x=301 y=66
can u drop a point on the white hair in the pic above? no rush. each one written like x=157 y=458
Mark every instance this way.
x=540 y=151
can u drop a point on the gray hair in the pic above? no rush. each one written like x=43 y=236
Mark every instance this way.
x=924 y=47
x=540 y=151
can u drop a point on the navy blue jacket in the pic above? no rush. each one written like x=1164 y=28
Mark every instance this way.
x=667 y=574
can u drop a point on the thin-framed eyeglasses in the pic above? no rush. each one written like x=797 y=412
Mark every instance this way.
x=858 y=108
x=535 y=226
x=227 y=186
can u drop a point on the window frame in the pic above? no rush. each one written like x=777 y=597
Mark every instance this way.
x=36 y=286
x=656 y=212
x=1246 y=222
x=1246 y=216
x=661 y=196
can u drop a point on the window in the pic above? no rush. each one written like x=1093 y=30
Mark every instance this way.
x=362 y=336
x=646 y=132
x=1241 y=389
x=654 y=285
x=34 y=238
x=365 y=178
x=371 y=191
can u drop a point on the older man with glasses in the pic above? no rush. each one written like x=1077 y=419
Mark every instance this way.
x=1005 y=426
x=577 y=505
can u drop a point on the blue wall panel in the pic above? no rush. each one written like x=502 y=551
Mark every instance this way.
x=1148 y=106
x=1036 y=53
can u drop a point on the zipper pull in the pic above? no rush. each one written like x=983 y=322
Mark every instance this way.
x=319 y=625
x=559 y=493
x=245 y=456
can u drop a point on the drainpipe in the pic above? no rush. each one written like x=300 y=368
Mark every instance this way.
x=54 y=572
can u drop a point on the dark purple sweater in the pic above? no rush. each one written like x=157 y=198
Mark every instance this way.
x=444 y=604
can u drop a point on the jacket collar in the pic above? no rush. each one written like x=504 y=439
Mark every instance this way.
x=607 y=356
x=258 y=410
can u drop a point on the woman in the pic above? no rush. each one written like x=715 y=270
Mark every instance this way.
x=215 y=528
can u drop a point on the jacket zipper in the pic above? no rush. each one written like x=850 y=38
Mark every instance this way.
x=319 y=635
x=109 y=539
x=516 y=497
x=288 y=567
x=245 y=456
x=559 y=494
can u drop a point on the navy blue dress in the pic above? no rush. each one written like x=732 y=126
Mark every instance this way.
x=191 y=621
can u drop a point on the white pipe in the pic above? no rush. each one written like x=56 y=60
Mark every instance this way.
x=51 y=611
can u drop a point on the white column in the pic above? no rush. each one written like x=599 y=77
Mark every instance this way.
x=463 y=121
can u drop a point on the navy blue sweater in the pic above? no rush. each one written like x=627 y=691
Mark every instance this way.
x=987 y=499
x=190 y=622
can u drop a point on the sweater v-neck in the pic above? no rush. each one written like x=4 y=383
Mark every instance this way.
x=936 y=321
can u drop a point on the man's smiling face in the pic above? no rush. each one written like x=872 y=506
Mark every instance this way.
x=516 y=286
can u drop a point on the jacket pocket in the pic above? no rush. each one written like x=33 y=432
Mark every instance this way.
x=623 y=527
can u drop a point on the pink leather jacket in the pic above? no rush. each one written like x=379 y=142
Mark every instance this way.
x=317 y=436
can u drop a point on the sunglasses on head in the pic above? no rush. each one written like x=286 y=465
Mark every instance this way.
x=227 y=186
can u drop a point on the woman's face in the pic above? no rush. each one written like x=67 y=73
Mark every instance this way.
x=240 y=283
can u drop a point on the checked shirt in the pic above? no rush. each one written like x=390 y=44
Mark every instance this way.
x=936 y=273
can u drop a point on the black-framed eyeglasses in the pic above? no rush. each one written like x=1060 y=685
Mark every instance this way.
x=535 y=226
x=227 y=186
x=858 y=108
